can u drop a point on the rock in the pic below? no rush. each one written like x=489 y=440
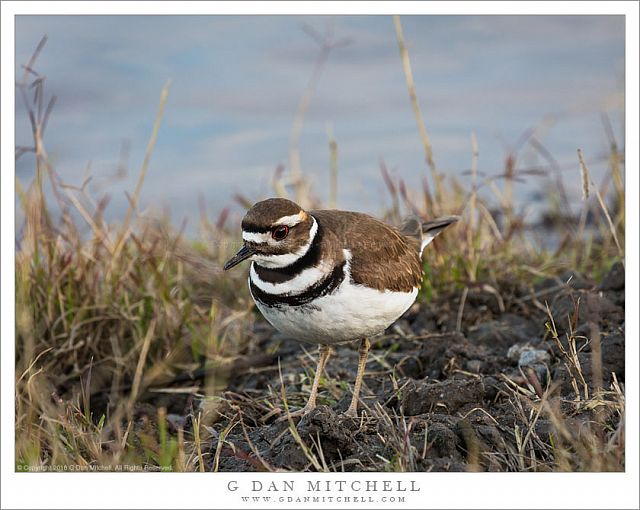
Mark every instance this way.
x=614 y=279
x=474 y=365
x=516 y=350
x=533 y=357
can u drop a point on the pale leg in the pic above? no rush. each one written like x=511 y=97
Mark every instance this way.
x=364 y=352
x=324 y=353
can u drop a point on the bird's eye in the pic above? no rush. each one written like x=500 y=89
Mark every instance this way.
x=280 y=232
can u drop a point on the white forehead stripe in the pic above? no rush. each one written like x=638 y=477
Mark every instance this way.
x=292 y=220
x=256 y=237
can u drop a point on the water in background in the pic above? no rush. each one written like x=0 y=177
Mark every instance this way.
x=237 y=82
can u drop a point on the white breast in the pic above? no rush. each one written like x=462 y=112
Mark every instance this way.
x=351 y=312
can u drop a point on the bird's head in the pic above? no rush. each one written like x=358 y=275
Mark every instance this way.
x=275 y=233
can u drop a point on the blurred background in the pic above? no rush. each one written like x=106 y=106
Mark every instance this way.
x=538 y=87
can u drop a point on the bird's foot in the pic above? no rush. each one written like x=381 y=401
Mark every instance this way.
x=295 y=414
x=351 y=413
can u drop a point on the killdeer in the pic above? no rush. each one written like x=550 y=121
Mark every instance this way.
x=327 y=277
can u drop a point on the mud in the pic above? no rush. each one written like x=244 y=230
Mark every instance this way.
x=436 y=397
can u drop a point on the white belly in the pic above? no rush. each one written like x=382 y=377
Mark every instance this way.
x=351 y=312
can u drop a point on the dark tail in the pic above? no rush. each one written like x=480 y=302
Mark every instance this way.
x=430 y=229
x=434 y=227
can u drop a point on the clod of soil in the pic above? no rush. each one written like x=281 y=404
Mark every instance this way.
x=451 y=395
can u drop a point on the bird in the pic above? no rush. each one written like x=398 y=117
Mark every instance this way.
x=328 y=277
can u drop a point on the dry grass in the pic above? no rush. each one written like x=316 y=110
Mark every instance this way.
x=115 y=322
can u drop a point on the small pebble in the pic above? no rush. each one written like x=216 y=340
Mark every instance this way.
x=516 y=350
x=533 y=357
x=474 y=365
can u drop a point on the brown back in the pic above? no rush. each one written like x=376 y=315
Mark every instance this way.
x=382 y=258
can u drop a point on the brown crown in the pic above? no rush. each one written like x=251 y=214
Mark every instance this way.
x=262 y=215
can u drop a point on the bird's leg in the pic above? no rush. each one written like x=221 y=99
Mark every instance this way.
x=352 y=412
x=324 y=353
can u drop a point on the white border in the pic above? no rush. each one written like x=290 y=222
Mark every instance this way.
x=346 y=7
x=439 y=490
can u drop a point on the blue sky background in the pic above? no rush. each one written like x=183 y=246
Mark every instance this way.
x=237 y=80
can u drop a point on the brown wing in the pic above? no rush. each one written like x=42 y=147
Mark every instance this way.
x=382 y=258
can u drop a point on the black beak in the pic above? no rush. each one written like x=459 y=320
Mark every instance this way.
x=244 y=253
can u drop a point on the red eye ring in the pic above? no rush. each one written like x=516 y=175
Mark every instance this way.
x=280 y=232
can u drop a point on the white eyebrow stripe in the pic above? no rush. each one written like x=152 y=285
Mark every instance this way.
x=255 y=237
x=265 y=237
x=291 y=220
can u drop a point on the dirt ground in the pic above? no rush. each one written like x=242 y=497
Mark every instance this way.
x=442 y=391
